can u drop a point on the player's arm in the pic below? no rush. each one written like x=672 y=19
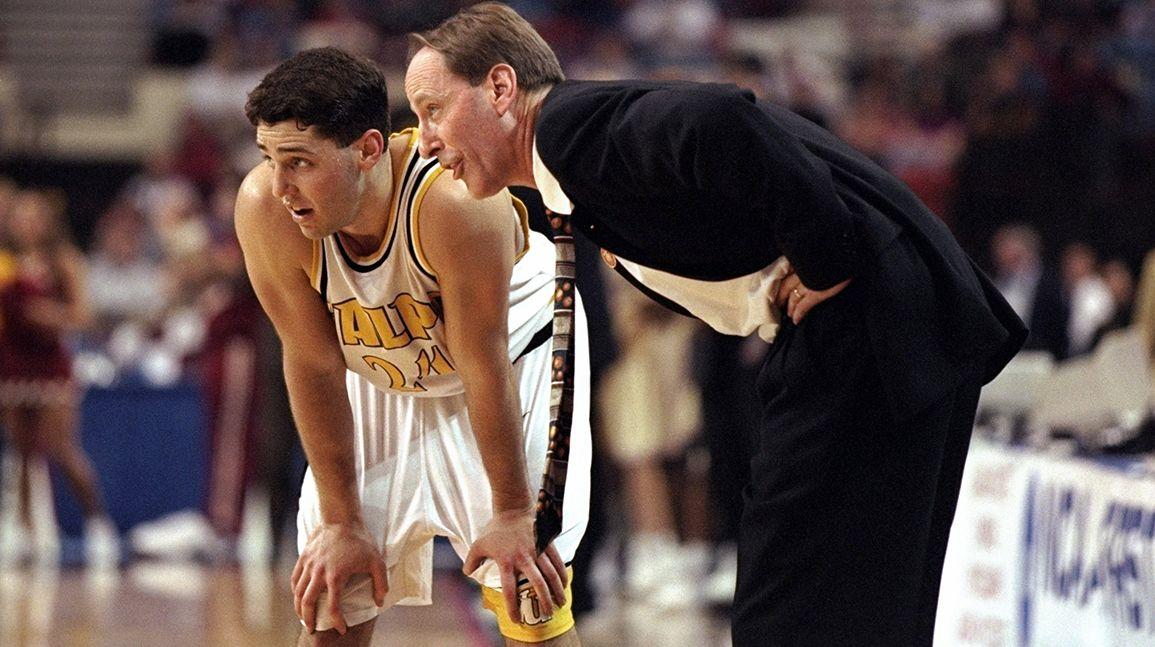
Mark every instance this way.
x=277 y=257
x=470 y=244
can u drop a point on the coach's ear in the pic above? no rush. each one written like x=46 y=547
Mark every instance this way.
x=370 y=146
x=502 y=86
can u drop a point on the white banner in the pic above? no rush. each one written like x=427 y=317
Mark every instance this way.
x=1049 y=552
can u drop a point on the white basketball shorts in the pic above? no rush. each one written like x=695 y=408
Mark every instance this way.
x=421 y=475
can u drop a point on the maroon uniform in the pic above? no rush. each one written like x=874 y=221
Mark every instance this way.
x=35 y=367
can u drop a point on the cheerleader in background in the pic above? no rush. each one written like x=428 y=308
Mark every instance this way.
x=42 y=299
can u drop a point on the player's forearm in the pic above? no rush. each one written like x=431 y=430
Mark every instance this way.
x=496 y=422
x=325 y=424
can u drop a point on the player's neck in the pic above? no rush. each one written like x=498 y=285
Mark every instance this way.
x=365 y=234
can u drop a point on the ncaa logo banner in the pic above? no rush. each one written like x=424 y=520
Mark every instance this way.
x=1049 y=551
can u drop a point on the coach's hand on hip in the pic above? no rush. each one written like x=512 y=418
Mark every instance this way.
x=334 y=553
x=797 y=299
x=508 y=540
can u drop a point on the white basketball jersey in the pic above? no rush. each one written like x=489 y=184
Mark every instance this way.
x=387 y=307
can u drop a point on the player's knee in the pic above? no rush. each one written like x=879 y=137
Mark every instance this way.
x=355 y=636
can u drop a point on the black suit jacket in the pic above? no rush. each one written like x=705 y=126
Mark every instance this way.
x=700 y=181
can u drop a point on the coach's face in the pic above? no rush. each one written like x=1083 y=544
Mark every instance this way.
x=465 y=127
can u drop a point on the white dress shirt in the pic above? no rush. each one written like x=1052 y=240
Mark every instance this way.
x=739 y=306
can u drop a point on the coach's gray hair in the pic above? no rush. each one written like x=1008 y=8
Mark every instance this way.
x=476 y=38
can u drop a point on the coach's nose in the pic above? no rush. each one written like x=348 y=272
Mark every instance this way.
x=428 y=144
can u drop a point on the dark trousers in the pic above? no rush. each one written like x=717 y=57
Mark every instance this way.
x=846 y=518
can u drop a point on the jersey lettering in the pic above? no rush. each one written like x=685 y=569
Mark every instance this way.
x=432 y=362
x=396 y=377
x=356 y=325
x=419 y=317
x=375 y=328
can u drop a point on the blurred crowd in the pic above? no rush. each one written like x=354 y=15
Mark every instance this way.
x=1027 y=125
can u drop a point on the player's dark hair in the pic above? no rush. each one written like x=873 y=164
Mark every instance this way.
x=476 y=38
x=342 y=95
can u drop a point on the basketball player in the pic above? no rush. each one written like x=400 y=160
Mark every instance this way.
x=416 y=324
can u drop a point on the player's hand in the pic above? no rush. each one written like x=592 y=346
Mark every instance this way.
x=333 y=554
x=798 y=299
x=508 y=540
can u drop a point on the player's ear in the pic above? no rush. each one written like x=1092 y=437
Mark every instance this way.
x=370 y=146
x=502 y=85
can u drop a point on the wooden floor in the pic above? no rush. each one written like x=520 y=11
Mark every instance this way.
x=178 y=605
x=159 y=604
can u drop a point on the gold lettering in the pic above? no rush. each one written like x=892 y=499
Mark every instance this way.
x=392 y=338
x=356 y=325
x=432 y=363
x=418 y=317
x=396 y=377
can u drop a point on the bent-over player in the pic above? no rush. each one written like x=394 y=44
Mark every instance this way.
x=416 y=323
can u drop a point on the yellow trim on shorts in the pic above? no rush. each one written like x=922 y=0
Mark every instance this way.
x=560 y=622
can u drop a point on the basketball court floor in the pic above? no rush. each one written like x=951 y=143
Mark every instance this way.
x=225 y=601
x=172 y=604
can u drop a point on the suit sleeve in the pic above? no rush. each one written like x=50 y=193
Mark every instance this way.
x=723 y=145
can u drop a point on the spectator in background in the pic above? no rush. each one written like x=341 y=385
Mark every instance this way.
x=337 y=22
x=42 y=301
x=1090 y=300
x=650 y=410
x=155 y=186
x=748 y=70
x=1121 y=285
x=1145 y=303
x=184 y=30
x=677 y=33
x=125 y=285
x=1033 y=290
x=607 y=57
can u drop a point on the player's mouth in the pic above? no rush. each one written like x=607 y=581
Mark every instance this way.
x=301 y=215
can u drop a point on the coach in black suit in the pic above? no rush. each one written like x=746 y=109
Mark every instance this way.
x=887 y=330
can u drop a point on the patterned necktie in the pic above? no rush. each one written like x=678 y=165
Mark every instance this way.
x=547 y=524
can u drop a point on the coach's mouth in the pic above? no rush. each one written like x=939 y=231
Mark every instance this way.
x=300 y=215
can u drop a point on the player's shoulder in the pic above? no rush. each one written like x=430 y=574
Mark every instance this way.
x=402 y=143
x=460 y=233
x=448 y=203
x=254 y=196
x=263 y=225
